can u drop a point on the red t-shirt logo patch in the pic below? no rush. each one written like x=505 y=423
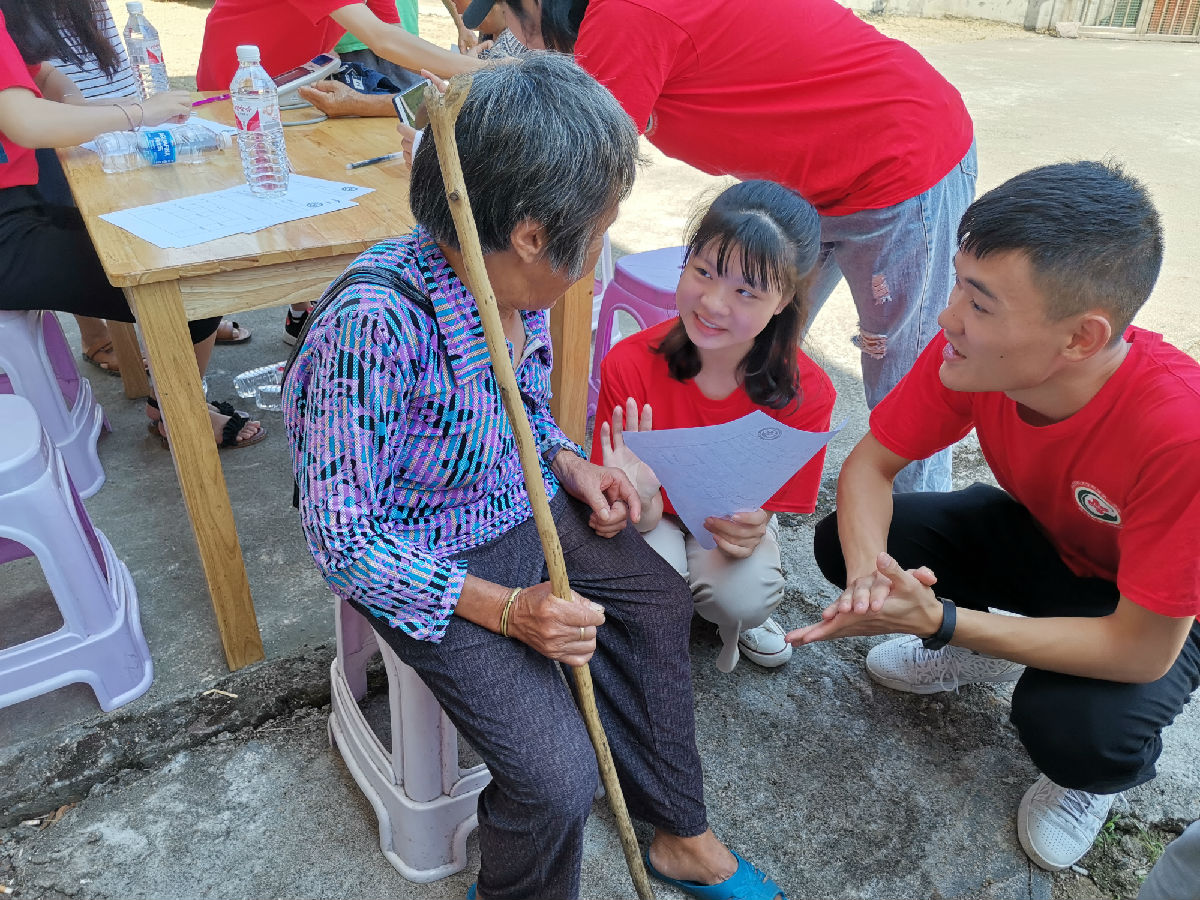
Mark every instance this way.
x=1095 y=504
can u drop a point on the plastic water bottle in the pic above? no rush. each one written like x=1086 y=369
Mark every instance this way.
x=269 y=397
x=122 y=151
x=260 y=134
x=145 y=52
x=248 y=383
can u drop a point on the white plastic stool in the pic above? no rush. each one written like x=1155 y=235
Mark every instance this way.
x=26 y=360
x=101 y=640
x=425 y=803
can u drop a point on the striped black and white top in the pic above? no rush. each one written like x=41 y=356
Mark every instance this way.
x=91 y=79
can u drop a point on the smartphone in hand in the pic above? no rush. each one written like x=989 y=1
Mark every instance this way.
x=409 y=105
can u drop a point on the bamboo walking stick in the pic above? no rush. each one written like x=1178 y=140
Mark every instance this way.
x=443 y=113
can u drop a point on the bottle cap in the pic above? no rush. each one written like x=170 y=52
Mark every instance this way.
x=248 y=53
x=134 y=6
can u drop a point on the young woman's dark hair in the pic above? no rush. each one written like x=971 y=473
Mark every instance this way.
x=776 y=235
x=59 y=29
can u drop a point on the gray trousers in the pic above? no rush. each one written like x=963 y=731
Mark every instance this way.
x=733 y=594
x=1176 y=875
x=513 y=706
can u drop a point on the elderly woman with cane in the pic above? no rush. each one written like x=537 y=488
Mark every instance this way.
x=413 y=502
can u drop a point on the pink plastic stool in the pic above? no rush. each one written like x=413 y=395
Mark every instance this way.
x=643 y=286
x=101 y=641
x=426 y=804
x=39 y=366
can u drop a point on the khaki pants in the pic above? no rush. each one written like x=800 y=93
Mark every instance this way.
x=733 y=594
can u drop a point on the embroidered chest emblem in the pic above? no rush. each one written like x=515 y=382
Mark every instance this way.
x=1095 y=504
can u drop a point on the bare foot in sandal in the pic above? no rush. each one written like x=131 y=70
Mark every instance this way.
x=103 y=356
x=232 y=428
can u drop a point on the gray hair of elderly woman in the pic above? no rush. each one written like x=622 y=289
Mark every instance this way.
x=540 y=140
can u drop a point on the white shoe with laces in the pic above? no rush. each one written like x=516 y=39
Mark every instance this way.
x=765 y=645
x=1058 y=825
x=903 y=664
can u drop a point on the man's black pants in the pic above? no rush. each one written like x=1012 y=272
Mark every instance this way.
x=987 y=550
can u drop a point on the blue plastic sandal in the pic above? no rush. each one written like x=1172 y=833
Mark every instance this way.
x=471 y=893
x=747 y=883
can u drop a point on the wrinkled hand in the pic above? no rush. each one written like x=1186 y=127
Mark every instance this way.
x=614 y=452
x=889 y=600
x=478 y=48
x=171 y=106
x=408 y=136
x=740 y=533
x=467 y=39
x=333 y=98
x=608 y=492
x=551 y=625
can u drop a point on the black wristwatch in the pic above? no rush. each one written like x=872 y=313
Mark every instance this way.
x=941 y=637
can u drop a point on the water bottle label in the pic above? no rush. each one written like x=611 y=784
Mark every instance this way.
x=252 y=117
x=160 y=147
x=154 y=55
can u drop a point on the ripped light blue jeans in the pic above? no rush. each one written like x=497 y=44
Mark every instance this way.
x=899 y=265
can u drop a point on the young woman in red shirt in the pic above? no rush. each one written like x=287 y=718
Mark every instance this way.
x=733 y=349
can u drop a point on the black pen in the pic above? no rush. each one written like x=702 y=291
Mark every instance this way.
x=375 y=159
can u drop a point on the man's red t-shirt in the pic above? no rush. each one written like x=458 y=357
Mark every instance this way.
x=18 y=165
x=801 y=92
x=633 y=369
x=1116 y=486
x=288 y=33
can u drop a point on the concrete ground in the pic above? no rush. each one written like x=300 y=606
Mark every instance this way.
x=837 y=787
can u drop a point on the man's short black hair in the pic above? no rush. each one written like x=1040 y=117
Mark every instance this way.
x=1089 y=229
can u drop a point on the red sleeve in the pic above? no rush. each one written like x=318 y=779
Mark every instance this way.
x=631 y=51
x=1160 y=534
x=799 y=494
x=920 y=415
x=13 y=71
x=615 y=389
x=385 y=10
x=316 y=10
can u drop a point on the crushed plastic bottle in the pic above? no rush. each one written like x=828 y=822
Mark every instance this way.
x=248 y=382
x=145 y=52
x=123 y=151
x=260 y=132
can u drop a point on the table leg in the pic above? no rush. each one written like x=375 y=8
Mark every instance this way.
x=129 y=358
x=571 y=335
x=159 y=311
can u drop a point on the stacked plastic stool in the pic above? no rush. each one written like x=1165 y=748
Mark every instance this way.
x=643 y=286
x=426 y=804
x=100 y=642
x=38 y=365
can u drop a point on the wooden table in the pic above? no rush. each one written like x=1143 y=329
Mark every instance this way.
x=288 y=263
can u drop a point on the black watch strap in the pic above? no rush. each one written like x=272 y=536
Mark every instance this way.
x=945 y=632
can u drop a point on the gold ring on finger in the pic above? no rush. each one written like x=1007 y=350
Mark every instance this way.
x=582 y=633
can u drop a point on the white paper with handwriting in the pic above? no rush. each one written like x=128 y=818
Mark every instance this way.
x=717 y=470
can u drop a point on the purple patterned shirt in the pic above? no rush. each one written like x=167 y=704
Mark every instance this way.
x=401 y=446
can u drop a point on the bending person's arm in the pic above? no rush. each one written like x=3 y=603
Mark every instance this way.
x=392 y=42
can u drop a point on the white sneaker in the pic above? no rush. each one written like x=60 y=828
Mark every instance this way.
x=904 y=665
x=765 y=645
x=1057 y=825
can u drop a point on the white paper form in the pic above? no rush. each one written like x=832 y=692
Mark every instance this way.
x=236 y=210
x=717 y=470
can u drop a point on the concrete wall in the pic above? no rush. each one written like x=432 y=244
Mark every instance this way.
x=1032 y=14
